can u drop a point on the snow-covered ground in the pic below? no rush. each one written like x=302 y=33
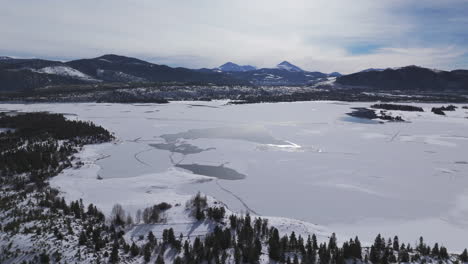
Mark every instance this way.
x=67 y=72
x=307 y=161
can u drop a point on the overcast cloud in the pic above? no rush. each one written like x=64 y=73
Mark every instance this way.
x=321 y=35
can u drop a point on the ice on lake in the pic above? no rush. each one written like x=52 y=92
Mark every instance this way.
x=305 y=160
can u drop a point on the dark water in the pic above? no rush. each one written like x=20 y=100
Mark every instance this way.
x=200 y=105
x=174 y=143
x=219 y=172
x=252 y=134
x=183 y=148
x=361 y=115
x=359 y=120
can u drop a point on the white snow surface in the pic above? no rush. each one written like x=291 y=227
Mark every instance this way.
x=288 y=67
x=66 y=71
x=306 y=160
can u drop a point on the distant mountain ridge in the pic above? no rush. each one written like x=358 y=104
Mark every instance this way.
x=288 y=67
x=408 y=78
x=29 y=74
x=284 y=73
x=232 y=67
x=372 y=69
x=335 y=74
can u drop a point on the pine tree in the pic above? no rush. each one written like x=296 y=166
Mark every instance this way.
x=443 y=253
x=310 y=252
x=170 y=236
x=82 y=239
x=402 y=247
x=292 y=241
x=187 y=255
x=421 y=247
x=391 y=258
x=237 y=255
x=374 y=255
x=160 y=259
x=151 y=237
x=134 y=250
x=257 y=250
x=295 y=260
x=435 y=250
x=138 y=216
x=178 y=260
x=396 y=243
x=464 y=256
x=129 y=220
x=114 y=256
x=274 y=246
x=357 y=251
x=44 y=258
x=379 y=243
x=339 y=257
x=403 y=256
x=199 y=215
x=332 y=242
x=386 y=256
x=147 y=253
x=314 y=242
x=233 y=221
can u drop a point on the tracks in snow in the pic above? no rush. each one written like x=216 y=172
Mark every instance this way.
x=237 y=197
x=250 y=210
x=139 y=160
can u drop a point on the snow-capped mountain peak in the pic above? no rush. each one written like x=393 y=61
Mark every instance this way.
x=288 y=67
x=5 y=58
x=232 y=67
x=335 y=74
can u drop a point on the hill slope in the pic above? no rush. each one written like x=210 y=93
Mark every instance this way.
x=29 y=74
x=408 y=78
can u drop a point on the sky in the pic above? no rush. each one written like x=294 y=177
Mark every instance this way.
x=316 y=35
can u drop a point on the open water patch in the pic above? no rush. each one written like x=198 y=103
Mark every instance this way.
x=219 y=172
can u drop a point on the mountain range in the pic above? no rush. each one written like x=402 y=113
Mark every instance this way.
x=29 y=74
x=285 y=73
x=232 y=67
x=408 y=78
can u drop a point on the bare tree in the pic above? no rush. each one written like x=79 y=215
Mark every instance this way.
x=129 y=219
x=138 y=216
x=118 y=214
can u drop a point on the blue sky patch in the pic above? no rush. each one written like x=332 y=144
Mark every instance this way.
x=362 y=48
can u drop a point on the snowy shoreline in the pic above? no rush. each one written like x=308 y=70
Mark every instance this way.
x=83 y=183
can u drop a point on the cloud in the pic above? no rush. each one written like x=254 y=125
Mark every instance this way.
x=206 y=33
x=441 y=58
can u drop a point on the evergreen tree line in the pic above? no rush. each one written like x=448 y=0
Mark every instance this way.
x=241 y=240
x=46 y=213
x=244 y=240
x=398 y=107
x=42 y=144
x=440 y=110
x=149 y=215
x=391 y=251
x=43 y=125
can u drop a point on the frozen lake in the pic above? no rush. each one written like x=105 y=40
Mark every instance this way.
x=305 y=160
